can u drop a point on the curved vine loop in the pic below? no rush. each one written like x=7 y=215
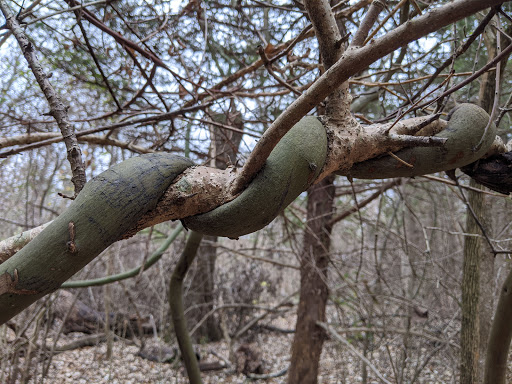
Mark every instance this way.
x=291 y=168
x=109 y=205
x=468 y=125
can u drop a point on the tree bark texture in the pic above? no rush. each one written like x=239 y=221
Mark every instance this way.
x=309 y=337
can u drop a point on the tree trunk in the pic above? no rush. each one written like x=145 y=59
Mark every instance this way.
x=470 y=326
x=202 y=292
x=477 y=292
x=224 y=149
x=487 y=260
x=309 y=337
x=478 y=278
x=500 y=336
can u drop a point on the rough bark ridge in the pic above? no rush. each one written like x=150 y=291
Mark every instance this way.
x=308 y=343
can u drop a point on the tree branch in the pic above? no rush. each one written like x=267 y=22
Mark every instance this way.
x=354 y=61
x=477 y=32
x=369 y=19
x=366 y=201
x=326 y=30
x=155 y=256
x=50 y=140
x=57 y=108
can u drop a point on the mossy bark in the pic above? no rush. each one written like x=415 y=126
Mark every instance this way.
x=103 y=211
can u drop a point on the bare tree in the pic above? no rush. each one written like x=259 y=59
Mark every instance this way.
x=148 y=81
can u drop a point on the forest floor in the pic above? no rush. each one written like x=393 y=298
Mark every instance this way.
x=89 y=365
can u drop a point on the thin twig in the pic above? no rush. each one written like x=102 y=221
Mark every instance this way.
x=270 y=70
x=463 y=48
x=477 y=220
x=383 y=22
x=470 y=79
x=149 y=120
x=95 y=59
x=75 y=8
x=400 y=160
x=365 y=202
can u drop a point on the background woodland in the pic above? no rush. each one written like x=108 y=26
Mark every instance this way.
x=411 y=269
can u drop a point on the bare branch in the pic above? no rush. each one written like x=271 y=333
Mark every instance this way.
x=369 y=19
x=326 y=30
x=352 y=62
x=57 y=108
